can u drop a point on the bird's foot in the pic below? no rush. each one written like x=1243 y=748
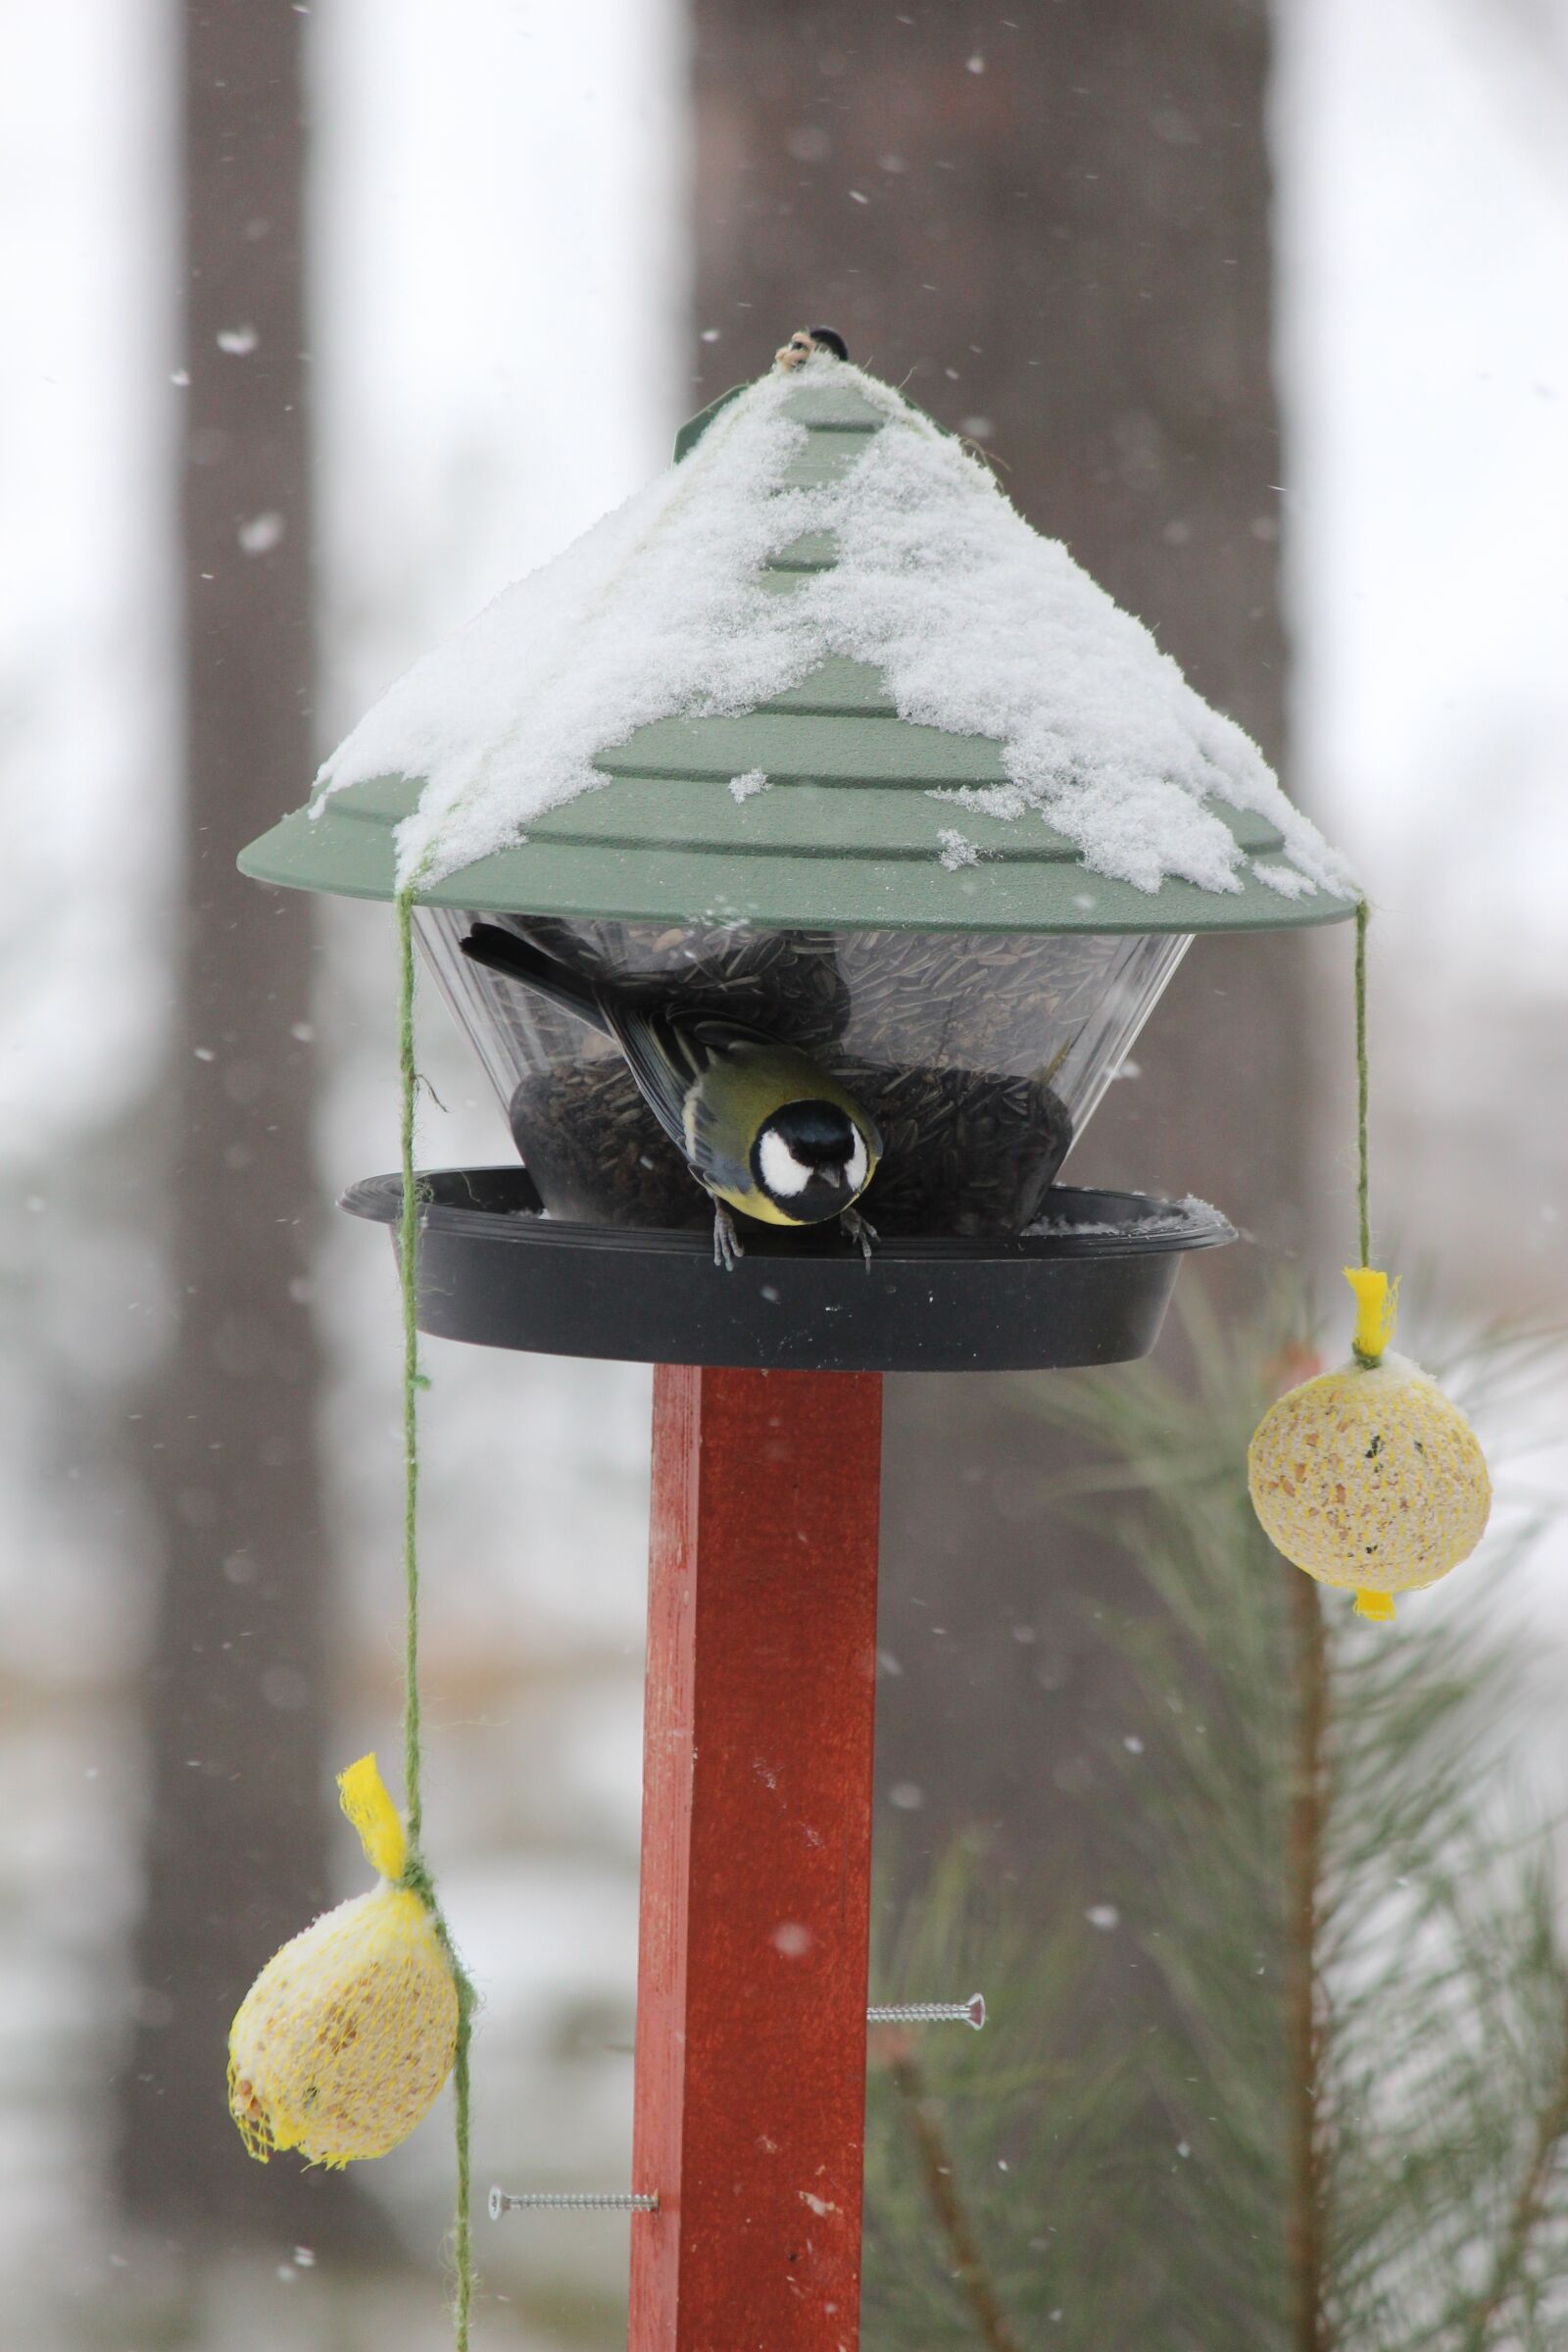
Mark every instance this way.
x=727 y=1246
x=859 y=1230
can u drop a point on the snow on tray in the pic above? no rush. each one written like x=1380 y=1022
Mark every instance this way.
x=1178 y=1217
x=979 y=625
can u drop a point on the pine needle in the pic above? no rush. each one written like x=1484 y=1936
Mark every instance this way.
x=1320 y=2101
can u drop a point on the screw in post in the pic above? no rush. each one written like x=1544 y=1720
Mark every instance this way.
x=569 y=2201
x=971 y=2012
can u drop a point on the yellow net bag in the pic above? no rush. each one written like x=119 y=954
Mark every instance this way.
x=1368 y=1477
x=347 y=2036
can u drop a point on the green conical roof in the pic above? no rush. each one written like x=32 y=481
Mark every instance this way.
x=847 y=833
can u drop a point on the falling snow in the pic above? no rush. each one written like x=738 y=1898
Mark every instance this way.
x=260 y=534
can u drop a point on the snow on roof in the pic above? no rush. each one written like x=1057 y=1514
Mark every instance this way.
x=979 y=625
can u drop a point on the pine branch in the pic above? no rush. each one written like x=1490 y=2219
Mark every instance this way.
x=1527 y=2211
x=1305 y=2235
x=936 y=2164
x=1315 y=2092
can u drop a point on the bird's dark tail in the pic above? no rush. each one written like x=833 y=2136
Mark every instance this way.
x=519 y=960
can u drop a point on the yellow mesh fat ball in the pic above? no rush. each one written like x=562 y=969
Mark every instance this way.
x=1368 y=1477
x=346 y=2036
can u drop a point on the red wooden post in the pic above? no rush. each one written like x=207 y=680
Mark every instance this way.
x=757 y=1835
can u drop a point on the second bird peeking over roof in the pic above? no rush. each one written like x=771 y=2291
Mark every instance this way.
x=808 y=340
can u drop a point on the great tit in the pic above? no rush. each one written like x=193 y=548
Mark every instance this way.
x=761 y=1128
x=808 y=339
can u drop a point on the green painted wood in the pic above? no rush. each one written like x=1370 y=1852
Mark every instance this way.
x=807 y=744
x=805 y=819
x=848 y=834
x=816 y=820
x=351 y=852
x=818 y=408
x=692 y=431
x=826 y=457
x=839 y=686
x=813 y=551
x=832 y=408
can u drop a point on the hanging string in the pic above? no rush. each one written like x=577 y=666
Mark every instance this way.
x=409 y=1268
x=416 y=1875
x=1361 y=919
x=1376 y=1298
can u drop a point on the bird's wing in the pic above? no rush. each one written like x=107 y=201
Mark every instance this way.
x=722 y=1120
x=519 y=960
x=670 y=1058
x=663 y=1059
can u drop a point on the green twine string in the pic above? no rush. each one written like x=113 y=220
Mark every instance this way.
x=417 y=1876
x=1362 y=916
x=409 y=1267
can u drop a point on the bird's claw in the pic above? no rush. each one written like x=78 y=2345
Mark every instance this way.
x=727 y=1246
x=859 y=1230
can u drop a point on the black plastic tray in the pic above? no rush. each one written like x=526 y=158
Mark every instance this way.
x=496 y=1272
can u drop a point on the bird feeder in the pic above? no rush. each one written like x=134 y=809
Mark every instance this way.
x=827 y=741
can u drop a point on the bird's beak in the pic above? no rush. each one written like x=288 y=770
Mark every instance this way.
x=833 y=1176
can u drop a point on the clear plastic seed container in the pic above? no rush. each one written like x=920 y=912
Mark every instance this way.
x=980 y=1056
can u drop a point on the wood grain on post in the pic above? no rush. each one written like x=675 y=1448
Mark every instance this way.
x=757 y=1834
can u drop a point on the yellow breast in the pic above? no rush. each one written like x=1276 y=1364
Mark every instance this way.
x=756 y=1203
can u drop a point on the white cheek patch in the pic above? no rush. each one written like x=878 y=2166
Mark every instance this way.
x=783 y=1175
x=855 y=1172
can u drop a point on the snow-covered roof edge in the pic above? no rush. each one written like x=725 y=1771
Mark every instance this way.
x=979 y=626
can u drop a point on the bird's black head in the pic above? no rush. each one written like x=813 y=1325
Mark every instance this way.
x=812 y=1160
x=808 y=340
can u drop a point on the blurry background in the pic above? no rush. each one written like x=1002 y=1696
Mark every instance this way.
x=320 y=324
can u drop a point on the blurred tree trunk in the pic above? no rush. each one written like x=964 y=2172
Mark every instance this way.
x=235 y=1850
x=1055 y=233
